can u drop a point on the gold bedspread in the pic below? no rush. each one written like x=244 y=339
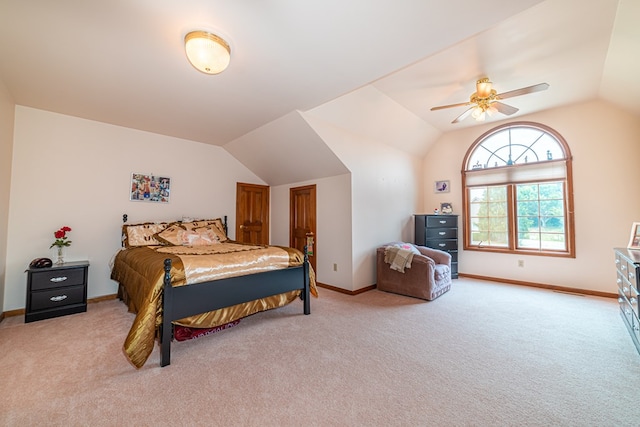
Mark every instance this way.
x=140 y=272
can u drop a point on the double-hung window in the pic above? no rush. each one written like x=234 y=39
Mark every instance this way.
x=518 y=195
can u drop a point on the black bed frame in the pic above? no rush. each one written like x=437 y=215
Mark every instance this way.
x=183 y=301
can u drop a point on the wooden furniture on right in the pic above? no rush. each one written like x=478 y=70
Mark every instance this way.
x=628 y=269
x=439 y=232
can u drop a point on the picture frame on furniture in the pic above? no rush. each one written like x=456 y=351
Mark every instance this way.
x=441 y=186
x=149 y=188
x=446 y=208
x=634 y=238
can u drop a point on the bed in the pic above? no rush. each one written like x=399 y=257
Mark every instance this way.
x=189 y=274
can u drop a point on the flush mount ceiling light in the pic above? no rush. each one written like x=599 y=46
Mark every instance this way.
x=207 y=52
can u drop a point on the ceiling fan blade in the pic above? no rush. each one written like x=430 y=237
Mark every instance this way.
x=504 y=108
x=523 y=91
x=442 y=107
x=463 y=116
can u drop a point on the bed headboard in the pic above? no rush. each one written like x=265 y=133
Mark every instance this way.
x=125 y=218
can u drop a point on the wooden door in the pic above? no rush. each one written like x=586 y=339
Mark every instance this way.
x=252 y=213
x=302 y=219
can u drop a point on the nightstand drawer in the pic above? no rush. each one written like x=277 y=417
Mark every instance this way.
x=57 y=297
x=57 y=278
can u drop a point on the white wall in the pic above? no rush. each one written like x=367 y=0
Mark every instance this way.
x=605 y=143
x=386 y=189
x=76 y=172
x=7 y=113
x=333 y=227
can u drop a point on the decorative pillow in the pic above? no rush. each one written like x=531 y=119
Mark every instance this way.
x=202 y=236
x=217 y=223
x=142 y=234
x=171 y=235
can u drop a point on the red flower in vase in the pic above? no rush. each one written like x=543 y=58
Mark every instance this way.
x=61 y=237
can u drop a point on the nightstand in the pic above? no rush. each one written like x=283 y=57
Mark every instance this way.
x=56 y=291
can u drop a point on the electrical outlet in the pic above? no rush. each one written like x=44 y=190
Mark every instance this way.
x=520 y=263
x=335 y=267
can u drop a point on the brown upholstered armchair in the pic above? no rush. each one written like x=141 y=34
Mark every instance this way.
x=428 y=278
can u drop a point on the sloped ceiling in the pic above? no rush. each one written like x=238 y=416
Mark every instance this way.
x=388 y=62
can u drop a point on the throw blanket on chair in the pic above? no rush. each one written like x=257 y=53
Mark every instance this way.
x=399 y=256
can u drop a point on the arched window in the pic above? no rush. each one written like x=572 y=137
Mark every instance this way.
x=518 y=192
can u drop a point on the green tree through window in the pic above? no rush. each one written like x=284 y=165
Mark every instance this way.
x=517 y=191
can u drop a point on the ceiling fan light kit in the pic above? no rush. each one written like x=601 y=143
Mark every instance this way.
x=486 y=101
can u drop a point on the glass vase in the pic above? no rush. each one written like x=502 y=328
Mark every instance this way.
x=59 y=255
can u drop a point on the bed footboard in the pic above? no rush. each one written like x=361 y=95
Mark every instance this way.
x=184 y=301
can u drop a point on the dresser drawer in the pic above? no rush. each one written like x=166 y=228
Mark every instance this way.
x=443 y=245
x=442 y=233
x=439 y=221
x=625 y=310
x=454 y=269
x=633 y=301
x=623 y=284
x=635 y=329
x=57 y=278
x=53 y=298
x=631 y=273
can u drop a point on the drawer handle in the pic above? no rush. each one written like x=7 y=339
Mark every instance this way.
x=631 y=275
x=442 y=245
x=58 y=298
x=58 y=279
x=442 y=233
x=633 y=300
x=617 y=261
x=618 y=281
x=442 y=221
x=624 y=267
x=625 y=289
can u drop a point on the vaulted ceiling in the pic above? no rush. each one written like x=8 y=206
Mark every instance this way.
x=123 y=62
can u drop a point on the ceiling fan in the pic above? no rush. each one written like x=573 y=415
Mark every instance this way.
x=486 y=101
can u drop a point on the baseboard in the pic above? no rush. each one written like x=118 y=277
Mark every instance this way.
x=344 y=291
x=542 y=285
x=20 y=311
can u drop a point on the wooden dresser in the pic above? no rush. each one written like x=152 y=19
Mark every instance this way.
x=439 y=232
x=628 y=280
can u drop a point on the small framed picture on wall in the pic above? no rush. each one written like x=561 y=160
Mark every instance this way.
x=441 y=186
x=634 y=238
x=150 y=188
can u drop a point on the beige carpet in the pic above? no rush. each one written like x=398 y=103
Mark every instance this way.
x=484 y=354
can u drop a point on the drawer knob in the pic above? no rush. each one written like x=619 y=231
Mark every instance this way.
x=618 y=281
x=617 y=261
x=58 y=298
x=58 y=279
x=633 y=300
x=631 y=275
